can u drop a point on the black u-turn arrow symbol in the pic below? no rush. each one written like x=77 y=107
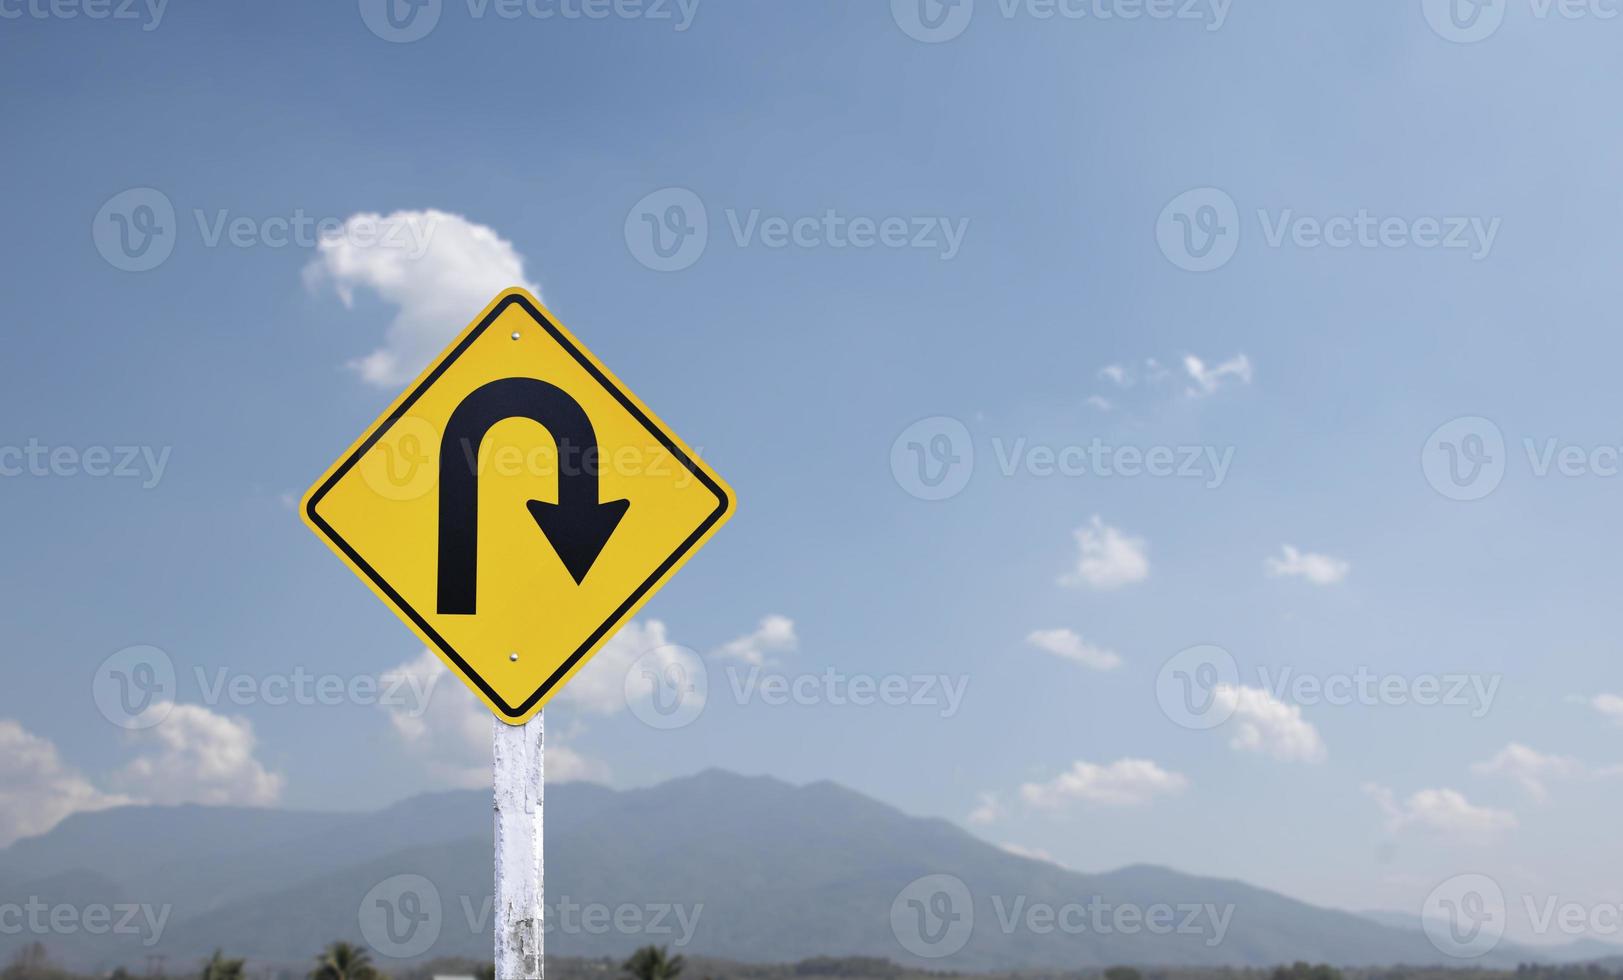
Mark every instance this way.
x=578 y=525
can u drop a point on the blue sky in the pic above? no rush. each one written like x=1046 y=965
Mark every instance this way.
x=1041 y=167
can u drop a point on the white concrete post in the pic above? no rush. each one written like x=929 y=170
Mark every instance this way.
x=519 y=776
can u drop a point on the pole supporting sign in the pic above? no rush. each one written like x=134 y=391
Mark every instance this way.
x=516 y=505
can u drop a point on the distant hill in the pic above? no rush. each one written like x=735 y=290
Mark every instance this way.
x=763 y=871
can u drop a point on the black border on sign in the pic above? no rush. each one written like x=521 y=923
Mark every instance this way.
x=619 y=613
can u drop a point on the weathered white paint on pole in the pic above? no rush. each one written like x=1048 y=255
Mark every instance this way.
x=519 y=773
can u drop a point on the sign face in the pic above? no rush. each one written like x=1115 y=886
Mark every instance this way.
x=517 y=505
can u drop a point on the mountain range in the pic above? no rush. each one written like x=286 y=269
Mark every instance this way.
x=743 y=868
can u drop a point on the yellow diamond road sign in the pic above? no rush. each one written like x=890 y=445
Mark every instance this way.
x=517 y=505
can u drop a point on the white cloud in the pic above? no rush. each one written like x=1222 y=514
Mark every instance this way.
x=451 y=730
x=1441 y=811
x=1206 y=381
x=1610 y=705
x=1117 y=375
x=600 y=687
x=1125 y=782
x=1531 y=769
x=1107 y=558
x=1316 y=568
x=988 y=809
x=1034 y=853
x=37 y=789
x=776 y=634
x=1100 y=403
x=1264 y=724
x=1065 y=643
x=197 y=756
x=438 y=287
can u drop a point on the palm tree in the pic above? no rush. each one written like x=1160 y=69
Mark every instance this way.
x=220 y=968
x=653 y=963
x=342 y=961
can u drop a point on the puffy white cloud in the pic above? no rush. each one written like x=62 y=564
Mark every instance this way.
x=196 y=756
x=1034 y=853
x=600 y=687
x=38 y=789
x=1263 y=723
x=1316 y=568
x=1117 y=374
x=1531 y=769
x=1125 y=782
x=1107 y=558
x=439 y=269
x=776 y=634
x=1067 y=644
x=1441 y=811
x=988 y=809
x=451 y=730
x=1206 y=381
x=1610 y=705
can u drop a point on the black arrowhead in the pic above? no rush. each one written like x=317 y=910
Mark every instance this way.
x=578 y=532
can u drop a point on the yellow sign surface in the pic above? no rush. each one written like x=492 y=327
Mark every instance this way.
x=516 y=505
